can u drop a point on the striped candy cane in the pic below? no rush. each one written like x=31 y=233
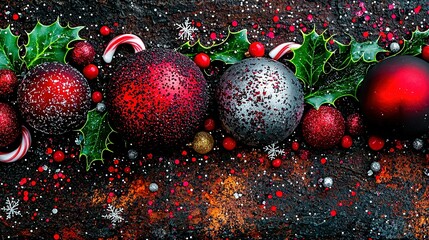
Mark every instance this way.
x=131 y=39
x=19 y=152
x=283 y=49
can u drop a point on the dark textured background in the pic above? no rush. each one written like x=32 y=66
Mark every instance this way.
x=392 y=204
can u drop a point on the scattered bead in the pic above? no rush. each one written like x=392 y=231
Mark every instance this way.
x=202 y=60
x=375 y=166
x=328 y=182
x=105 y=30
x=153 y=187
x=418 y=144
x=257 y=49
x=101 y=107
x=394 y=47
x=132 y=154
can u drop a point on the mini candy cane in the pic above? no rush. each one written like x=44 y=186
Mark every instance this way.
x=20 y=151
x=132 y=39
x=282 y=49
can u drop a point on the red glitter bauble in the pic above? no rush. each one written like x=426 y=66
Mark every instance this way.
x=323 y=128
x=395 y=96
x=83 y=53
x=355 y=125
x=9 y=125
x=54 y=98
x=8 y=82
x=157 y=98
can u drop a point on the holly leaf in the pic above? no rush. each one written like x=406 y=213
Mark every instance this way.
x=231 y=50
x=366 y=51
x=310 y=59
x=95 y=132
x=9 y=50
x=346 y=84
x=49 y=43
x=413 y=46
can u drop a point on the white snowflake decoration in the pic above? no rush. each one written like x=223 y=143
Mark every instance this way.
x=273 y=151
x=114 y=214
x=11 y=208
x=186 y=30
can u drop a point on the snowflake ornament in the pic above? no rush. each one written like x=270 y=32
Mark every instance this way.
x=186 y=30
x=11 y=208
x=273 y=151
x=114 y=214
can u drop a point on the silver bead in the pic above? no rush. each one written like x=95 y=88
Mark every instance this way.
x=328 y=182
x=153 y=187
x=418 y=144
x=394 y=47
x=101 y=107
x=375 y=166
x=132 y=154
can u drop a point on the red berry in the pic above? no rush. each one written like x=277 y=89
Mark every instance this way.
x=90 y=71
x=323 y=128
x=276 y=163
x=202 y=60
x=83 y=53
x=425 y=53
x=8 y=82
x=376 y=143
x=333 y=213
x=59 y=156
x=209 y=124
x=229 y=143
x=15 y=17
x=346 y=141
x=104 y=30
x=9 y=125
x=295 y=146
x=97 y=96
x=257 y=49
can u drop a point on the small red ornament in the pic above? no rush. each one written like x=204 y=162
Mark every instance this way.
x=395 y=96
x=346 y=141
x=276 y=163
x=295 y=146
x=9 y=125
x=209 y=124
x=8 y=82
x=355 y=125
x=58 y=156
x=229 y=143
x=54 y=98
x=256 y=49
x=83 y=53
x=90 y=71
x=376 y=143
x=105 y=30
x=202 y=60
x=97 y=97
x=323 y=128
x=425 y=53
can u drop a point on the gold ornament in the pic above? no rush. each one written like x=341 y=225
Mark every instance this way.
x=203 y=142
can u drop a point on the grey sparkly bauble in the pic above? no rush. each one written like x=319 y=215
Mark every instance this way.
x=394 y=47
x=153 y=187
x=418 y=144
x=375 y=166
x=260 y=101
x=132 y=154
x=328 y=182
x=101 y=107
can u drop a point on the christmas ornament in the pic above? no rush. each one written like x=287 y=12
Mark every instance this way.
x=133 y=154
x=375 y=142
x=260 y=101
x=203 y=142
x=355 y=125
x=157 y=97
x=394 y=47
x=9 y=125
x=229 y=143
x=328 y=182
x=425 y=53
x=375 y=166
x=20 y=151
x=323 y=128
x=418 y=144
x=395 y=96
x=83 y=53
x=153 y=187
x=54 y=98
x=8 y=82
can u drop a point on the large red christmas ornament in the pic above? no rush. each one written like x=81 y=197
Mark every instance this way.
x=9 y=125
x=8 y=82
x=323 y=128
x=157 y=98
x=54 y=98
x=395 y=95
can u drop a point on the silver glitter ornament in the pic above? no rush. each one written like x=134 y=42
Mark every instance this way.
x=260 y=101
x=394 y=47
x=153 y=187
x=375 y=166
x=132 y=154
x=101 y=107
x=418 y=144
x=328 y=182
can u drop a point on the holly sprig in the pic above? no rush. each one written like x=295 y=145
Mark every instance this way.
x=45 y=43
x=96 y=141
x=231 y=50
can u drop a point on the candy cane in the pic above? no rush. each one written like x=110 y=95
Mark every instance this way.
x=282 y=49
x=131 y=39
x=20 y=151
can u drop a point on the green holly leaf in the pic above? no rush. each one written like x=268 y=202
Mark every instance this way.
x=231 y=50
x=414 y=45
x=366 y=51
x=9 y=50
x=310 y=59
x=95 y=132
x=346 y=84
x=49 y=43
